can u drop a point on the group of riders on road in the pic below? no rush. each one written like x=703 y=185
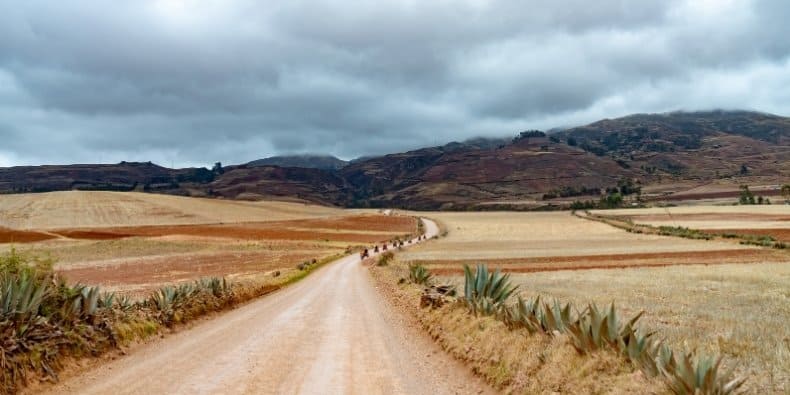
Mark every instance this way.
x=397 y=243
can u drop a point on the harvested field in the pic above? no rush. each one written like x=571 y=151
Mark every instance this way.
x=506 y=235
x=699 y=294
x=776 y=216
x=773 y=220
x=79 y=209
x=618 y=261
x=738 y=311
x=133 y=241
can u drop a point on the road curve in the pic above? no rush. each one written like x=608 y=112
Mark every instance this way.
x=329 y=334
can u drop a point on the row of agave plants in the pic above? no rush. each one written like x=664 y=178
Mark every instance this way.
x=590 y=329
x=44 y=320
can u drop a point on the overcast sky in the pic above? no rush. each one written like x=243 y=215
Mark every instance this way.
x=187 y=82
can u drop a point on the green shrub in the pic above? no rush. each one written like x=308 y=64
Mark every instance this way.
x=385 y=258
x=418 y=274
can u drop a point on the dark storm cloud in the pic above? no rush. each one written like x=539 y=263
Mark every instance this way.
x=191 y=82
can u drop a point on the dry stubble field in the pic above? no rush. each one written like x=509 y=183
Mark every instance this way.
x=132 y=242
x=768 y=220
x=716 y=296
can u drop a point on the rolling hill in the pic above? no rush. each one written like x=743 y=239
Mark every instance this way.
x=326 y=162
x=665 y=154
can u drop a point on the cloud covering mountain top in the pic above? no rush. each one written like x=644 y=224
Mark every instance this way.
x=193 y=82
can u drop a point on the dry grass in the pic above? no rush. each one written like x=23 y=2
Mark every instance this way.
x=511 y=360
x=736 y=311
x=74 y=209
x=547 y=264
x=519 y=235
x=739 y=311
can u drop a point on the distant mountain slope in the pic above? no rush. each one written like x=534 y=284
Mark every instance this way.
x=691 y=144
x=434 y=178
x=663 y=152
x=326 y=162
x=124 y=176
x=281 y=183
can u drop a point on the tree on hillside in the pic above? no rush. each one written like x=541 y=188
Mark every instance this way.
x=747 y=197
x=217 y=169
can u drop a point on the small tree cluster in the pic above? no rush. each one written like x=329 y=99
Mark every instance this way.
x=747 y=197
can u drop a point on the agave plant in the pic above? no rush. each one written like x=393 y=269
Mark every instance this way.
x=125 y=303
x=164 y=298
x=486 y=293
x=556 y=317
x=692 y=374
x=85 y=301
x=106 y=300
x=595 y=329
x=418 y=274
x=21 y=295
x=526 y=313
x=214 y=285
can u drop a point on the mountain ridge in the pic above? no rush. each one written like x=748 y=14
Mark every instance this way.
x=654 y=151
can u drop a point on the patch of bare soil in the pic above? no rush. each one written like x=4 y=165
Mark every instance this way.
x=149 y=272
x=344 y=229
x=380 y=223
x=23 y=236
x=544 y=264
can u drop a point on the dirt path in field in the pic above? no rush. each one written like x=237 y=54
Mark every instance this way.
x=331 y=333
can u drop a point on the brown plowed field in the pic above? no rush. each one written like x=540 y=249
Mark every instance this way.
x=616 y=261
x=354 y=229
x=22 y=236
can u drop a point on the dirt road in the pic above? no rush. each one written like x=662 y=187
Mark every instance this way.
x=329 y=334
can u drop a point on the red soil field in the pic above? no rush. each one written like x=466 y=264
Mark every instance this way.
x=543 y=264
x=283 y=230
x=22 y=236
